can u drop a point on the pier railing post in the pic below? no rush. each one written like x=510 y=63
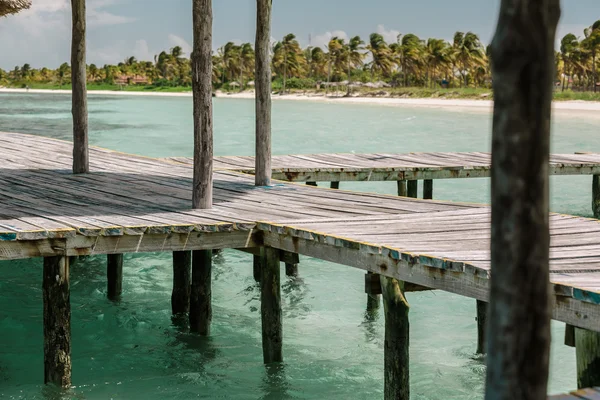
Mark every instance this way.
x=396 y=347
x=114 y=275
x=596 y=196
x=587 y=349
x=201 y=292
x=57 y=321
x=182 y=281
x=270 y=305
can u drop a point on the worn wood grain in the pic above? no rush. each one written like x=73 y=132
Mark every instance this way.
x=263 y=93
x=587 y=349
x=270 y=306
x=522 y=54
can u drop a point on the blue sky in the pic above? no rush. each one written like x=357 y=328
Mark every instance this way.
x=119 y=28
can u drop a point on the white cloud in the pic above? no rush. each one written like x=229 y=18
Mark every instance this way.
x=390 y=36
x=175 y=40
x=323 y=39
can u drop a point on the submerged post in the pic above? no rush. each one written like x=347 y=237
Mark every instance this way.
x=522 y=54
x=182 y=280
x=396 y=355
x=596 y=196
x=257 y=261
x=402 y=189
x=202 y=193
x=79 y=89
x=587 y=349
x=428 y=189
x=482 y=307
x=373 y=290
x=263 y=93
x=411 y=189
x=335 y=185
x=114 y=275
x=270 y=305
x=57 y=321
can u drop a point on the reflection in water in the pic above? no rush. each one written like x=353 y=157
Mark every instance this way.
x=275 y=385
x=370 y=318
x=294 y=292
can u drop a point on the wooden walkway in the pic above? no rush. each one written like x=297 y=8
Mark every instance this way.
x=583 y=394
x=137 y=204
x=393 y=167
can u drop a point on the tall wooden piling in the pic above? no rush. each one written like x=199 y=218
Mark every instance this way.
x=256 y=267
x=79 y=89
x=396 y=354
x=114 y=275
x=373 y=290
x=202 y=191
x=57 y=321
x=428 y=189
x=201 y=292
x=596 y=195
x=411 y=189
x=587 y=349
x=263 y=93
x=523 y=68
x=270 y=306
x=402 y=189
x=182 y=281
x=482 y=307
x=291 y=269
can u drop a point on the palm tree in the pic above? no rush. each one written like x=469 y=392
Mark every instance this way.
x=288 y=57
x=592 y=43
x=354 y=56
x=25 y=71
x=93 y=72
x=318 y=63
x=437 y=57
x=63 y=70
x=246 y=61
x=410 y=56
x=382 y=55
x=469 y=52
x=568 y=45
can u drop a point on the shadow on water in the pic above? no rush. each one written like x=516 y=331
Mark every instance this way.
x=275 y=385
x=294 y=291
x=371 y=318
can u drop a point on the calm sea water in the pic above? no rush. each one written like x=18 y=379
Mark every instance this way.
x=332 y=349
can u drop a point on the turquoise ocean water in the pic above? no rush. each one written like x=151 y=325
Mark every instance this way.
x=332 y=349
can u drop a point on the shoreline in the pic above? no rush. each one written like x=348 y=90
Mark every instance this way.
x=484 y=105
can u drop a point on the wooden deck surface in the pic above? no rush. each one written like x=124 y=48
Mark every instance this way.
x=137 y=204
x=583 y=394
x=386 y=167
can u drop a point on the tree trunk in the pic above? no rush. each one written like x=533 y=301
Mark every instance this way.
x=594 y=69
x=520 y=309
x=263 y=93
x=349 y=80
x=79 y=90
x=284 y=68
x=203 y=114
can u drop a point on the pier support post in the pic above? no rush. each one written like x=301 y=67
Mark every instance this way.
x=396 y=357
x=587 y=348
x=114 y=275
x=373 y=290
x=428 y=189
x=335 y=185
x=201 y=292
x=596 y=195
x=182 y=280
x=569 y=335
x=402 y=191
x=57 y=321
x=311 y=183
x=270 y=305
x=481 y=325
x=411 y=189
x=256 y=267
x=291 y=269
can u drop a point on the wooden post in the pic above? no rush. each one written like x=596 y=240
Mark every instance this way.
x=256 y=267
x=373 y=290
x=57 y=321
x=596 y=195
x=114 y=274
x=335 y=185
x=522 y=57
x=201 y=292
x=411 y=189
x=587 y=349
x=481 y=325
x=396 y=357
x=402 y=190
x=291 y=269
x=569 y=335
x=263 y=93
x=311 y=183
x=428 y=189
x=202 y=192
x=203 y=110
x=270 y=306
x=182 y=281
x=79 y=89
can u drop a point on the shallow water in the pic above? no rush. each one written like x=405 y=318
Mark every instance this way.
x=332 y=349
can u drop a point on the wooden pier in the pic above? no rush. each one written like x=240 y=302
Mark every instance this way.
x=130 y=204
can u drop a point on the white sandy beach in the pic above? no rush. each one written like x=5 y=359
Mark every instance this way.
x=483 y=105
